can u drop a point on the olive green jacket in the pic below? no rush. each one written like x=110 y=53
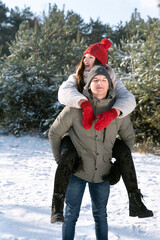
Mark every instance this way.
x=94 y=147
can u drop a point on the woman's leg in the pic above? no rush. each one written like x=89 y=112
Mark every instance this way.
x=122 y=154
x=65 y=168
x=74 y=196
x=99 y=195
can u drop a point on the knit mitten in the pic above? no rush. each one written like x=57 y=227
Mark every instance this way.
x=88 y=115
x=105 y=119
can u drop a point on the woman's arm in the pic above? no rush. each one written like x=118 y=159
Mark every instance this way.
x=125 y=100
x=68 y=93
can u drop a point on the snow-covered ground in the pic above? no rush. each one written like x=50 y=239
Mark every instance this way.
x=26 y=180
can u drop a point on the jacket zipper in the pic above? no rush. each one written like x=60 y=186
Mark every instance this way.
x=104 y=134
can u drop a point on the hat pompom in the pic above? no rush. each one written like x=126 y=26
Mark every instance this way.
x=106 y=42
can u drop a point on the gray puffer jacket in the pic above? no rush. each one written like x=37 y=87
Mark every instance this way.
x=94 y=147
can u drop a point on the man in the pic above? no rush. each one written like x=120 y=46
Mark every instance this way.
x=94 y=148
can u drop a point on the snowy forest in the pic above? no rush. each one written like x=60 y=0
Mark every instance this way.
x=37 y=53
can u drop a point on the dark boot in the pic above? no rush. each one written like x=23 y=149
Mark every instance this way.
x=123 y=155
x=137 y=207
x=57 y=208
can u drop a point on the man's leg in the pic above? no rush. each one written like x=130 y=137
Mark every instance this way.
x=73 y=199
x=99 y=195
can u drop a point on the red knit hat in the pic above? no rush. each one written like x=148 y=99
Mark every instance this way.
x=99 y=50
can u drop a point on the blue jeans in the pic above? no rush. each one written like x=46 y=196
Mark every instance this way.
x=99 y=193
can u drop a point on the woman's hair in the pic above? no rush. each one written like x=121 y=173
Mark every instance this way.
x=80 y=73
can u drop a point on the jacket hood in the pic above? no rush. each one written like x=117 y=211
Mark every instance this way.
x=111 y=96
x=97 y=70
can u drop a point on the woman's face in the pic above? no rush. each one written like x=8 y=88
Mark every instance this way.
x=88 y=61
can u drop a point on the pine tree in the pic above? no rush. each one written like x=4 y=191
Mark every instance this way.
x=41 y=58
x=148 y=85
x=137 y=61
x=3 y=27
x=95 y=31
x=10 y=21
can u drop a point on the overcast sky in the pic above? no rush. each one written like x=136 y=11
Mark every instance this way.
x=109 y=11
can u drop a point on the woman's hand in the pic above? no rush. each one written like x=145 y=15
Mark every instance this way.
x=105 y=118
x=88 y=115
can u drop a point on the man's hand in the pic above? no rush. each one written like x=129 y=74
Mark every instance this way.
x=114 y=175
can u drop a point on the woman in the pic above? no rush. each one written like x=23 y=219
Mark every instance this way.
x=70 y=94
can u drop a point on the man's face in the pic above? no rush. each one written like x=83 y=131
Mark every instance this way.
x=99 y=86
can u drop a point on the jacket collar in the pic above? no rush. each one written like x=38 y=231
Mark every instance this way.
x=103 y=104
